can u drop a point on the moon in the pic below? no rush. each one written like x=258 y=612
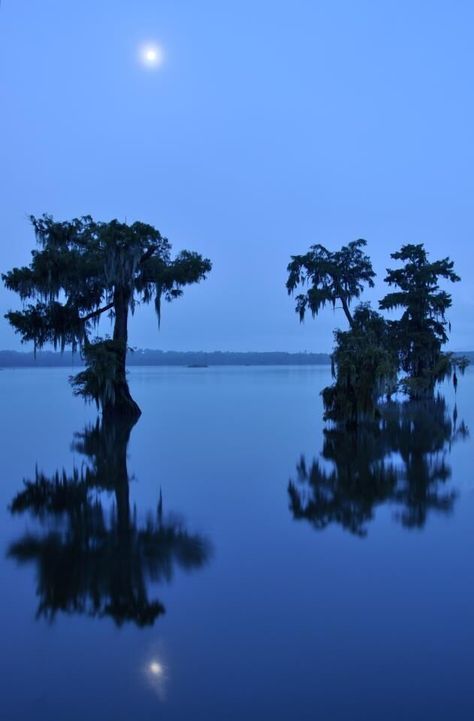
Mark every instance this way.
x=152 y=56
x=156 y=668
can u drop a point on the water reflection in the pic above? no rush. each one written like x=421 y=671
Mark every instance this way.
x=157 y=677
x=402 y=460
x=95 y=560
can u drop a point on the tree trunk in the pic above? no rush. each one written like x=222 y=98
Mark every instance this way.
x=117 y=439
x=348 y=313
x=123 y=404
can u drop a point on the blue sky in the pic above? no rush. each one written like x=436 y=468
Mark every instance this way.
x=270 y=126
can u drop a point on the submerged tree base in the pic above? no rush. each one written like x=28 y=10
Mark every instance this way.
x=104 y=380
x=364 y=365
x=123 y=407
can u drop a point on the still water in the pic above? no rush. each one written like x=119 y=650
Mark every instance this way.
x=226 y=559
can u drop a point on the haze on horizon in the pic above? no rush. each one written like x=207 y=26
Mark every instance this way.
x=267 y=127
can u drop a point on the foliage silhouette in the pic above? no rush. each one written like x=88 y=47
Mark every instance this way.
x=364 y=364
x=369 y=355
x=90 y=561
x=400 y=460
x=421 y=331
x=84 y=269
x=331 y=276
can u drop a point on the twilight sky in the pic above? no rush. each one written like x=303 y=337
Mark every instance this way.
x=271 y=125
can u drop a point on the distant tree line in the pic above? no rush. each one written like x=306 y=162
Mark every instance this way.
x=148 y=357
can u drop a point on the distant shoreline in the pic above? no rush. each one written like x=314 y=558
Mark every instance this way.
x=51 y=359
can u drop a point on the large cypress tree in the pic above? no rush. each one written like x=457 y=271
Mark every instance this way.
x=84 y=269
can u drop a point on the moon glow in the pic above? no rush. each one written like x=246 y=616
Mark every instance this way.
x=151 y=55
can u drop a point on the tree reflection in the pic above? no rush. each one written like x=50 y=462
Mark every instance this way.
x=400 y=460
x=93 y=560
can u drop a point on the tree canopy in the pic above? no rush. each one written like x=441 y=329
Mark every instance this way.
x=330 y=276
x=84 y=269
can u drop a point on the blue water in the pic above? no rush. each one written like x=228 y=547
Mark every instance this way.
x=358 y=603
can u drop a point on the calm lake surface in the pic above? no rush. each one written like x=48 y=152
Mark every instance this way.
x=225 y=559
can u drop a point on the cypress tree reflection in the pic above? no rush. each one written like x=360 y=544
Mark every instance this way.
x=93 y=561
x=400 y=460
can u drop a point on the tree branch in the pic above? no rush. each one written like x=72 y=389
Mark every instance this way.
x=345 y=308
x=107 y=307
x=147 y=255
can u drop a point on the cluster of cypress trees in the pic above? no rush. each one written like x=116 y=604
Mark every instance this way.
x=85 y=268
x=376 y=356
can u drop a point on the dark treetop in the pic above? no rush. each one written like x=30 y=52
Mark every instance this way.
x=331 y=277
